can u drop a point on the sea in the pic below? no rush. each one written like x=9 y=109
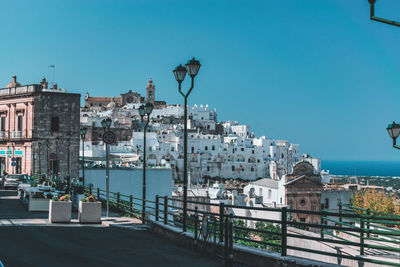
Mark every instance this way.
x=362 y=168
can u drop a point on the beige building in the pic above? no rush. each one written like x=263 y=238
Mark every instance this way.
x=39 y=129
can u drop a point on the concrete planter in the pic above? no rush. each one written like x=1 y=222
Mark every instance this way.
x=60 y=211
x=89 y=212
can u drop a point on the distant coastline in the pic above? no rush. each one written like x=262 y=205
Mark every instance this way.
x=362 y=168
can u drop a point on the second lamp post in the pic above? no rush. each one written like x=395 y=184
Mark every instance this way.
x=192 y=67
x=108 y=138
x=143 y=111
x=83 y=135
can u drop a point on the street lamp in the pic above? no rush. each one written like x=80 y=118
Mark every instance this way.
x=47 y=157
x=373 y=17
x=192 y=67
x=143 y=111
x=40 y=162
x=394 y=131
x=106 y=123
x=83 y=135
x=58 y=141
x=68 y=161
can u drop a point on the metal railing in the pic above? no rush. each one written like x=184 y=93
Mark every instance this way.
x=216 y=225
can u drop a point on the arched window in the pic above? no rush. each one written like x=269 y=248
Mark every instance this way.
x=269 y=193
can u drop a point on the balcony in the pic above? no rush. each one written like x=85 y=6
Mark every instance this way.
x=16 y=134
x=2 y=134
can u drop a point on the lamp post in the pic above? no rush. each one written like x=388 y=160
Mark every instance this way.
x=40 y=162
x=68 y=162
x=83 y=135
x=143 y=111
x=373 y=17
x=47 y=157
x=192 y=67
x=58 y=140
x=394 y=131
x=106 y=123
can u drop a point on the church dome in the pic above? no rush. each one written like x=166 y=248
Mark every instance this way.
x=14 y=83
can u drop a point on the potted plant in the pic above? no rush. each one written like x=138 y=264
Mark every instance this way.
x=60 y=209
x=78 y=193
x=89 y=210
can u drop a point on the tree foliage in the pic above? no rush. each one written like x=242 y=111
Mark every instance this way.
x=376 y=201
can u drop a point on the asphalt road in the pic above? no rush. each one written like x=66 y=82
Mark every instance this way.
x=85 y=246
x=92 y=246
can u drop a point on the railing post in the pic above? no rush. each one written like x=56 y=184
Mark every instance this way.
x=226 y=242
x=221 y=222
x=368 y=220
x=230 y=240
x=165 y=210
x=362 y=237
x=157 y=207
x=195 y=224
x=340 y=212
x=283 y=231
x=131 y=203
x=118 y=198
x=98 y=193
x=322 y=221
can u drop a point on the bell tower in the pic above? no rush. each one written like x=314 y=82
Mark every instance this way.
x=150 y=91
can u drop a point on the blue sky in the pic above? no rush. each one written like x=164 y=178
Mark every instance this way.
x=318 y=73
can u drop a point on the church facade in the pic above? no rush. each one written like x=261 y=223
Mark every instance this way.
x=303 y=192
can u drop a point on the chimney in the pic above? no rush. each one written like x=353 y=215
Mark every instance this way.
x=14 y=78
x=54 y=86
x=44 y=83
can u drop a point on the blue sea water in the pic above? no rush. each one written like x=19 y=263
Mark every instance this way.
x=362 y=168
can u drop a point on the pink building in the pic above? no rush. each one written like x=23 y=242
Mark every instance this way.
x=39 y=129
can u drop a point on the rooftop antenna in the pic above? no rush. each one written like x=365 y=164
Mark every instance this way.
x=54 y=72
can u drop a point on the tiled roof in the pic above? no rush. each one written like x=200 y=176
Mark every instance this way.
x=267 y=183
x=104 y=99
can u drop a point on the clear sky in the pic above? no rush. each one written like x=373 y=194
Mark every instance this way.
x=317 y=73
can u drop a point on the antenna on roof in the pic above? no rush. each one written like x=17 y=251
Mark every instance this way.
x=54 y=72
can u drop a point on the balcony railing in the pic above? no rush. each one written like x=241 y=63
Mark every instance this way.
x=2 y=134
x=16 y=134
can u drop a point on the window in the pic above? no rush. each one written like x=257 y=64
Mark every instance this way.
x=281 y=200
x=302 y=202
x=303 y=220
x=252 y=169
x=326 y=203
x=208 y=168
x=150 y=94
x=192 y=149
x=206 y=148
x=213 y=147
x=20 y=123
x=233 y=168
x=172 y=148
x=252 y=152
x=3 y=124
x=269 y=193
x=54 y=124
x=242 y=149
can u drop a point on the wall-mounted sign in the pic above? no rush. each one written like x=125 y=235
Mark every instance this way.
x=2 y=152
x=18 y=152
